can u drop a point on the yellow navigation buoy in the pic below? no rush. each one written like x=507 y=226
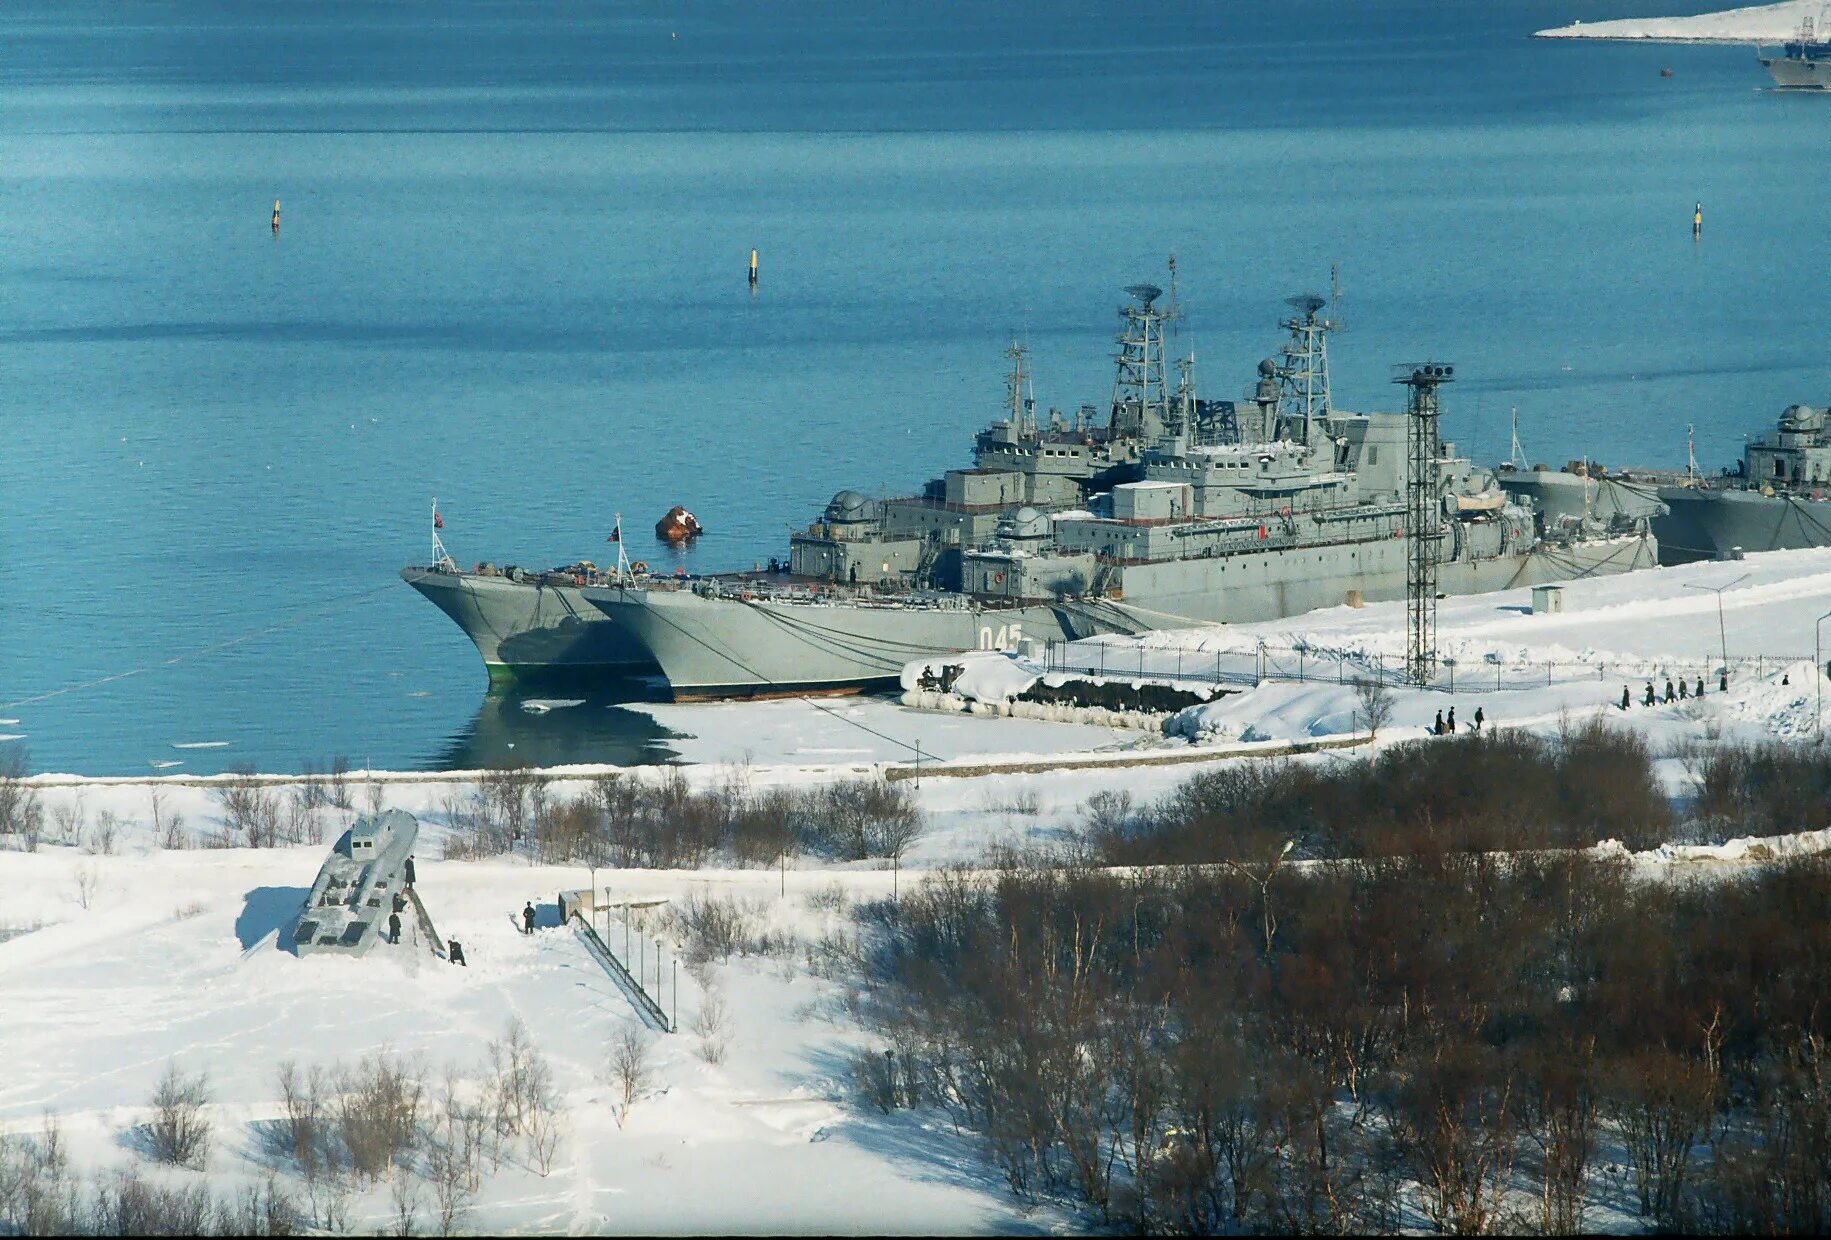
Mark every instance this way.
x=1697 y=221
x=753 y=268
x=276 y=215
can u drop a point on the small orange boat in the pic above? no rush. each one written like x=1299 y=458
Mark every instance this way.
x=678 y=526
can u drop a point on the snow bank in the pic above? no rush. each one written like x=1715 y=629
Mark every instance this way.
x=1765 y=23
x=985 y=676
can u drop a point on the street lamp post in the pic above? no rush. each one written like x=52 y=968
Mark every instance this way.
x=1722 y=636
x=1818 y=674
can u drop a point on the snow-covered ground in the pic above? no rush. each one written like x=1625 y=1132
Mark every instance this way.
x=1765 y=23
x=117 y=961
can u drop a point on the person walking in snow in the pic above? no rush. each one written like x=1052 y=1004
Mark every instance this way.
x=394 y=927
x=527 y=918
x=409 y=872
x=1723 y=682
x=1436 y=729
x=454 y=951
x=1626 y=699
x=1648 y=700
x=1670 y=696
x=1683 y=691
x=1479 y=718
x=1451 y=725
x=1700 y=686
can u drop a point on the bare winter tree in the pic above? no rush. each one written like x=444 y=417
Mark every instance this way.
x=180 y=1131
x=629 y=1069
x=1376 y=700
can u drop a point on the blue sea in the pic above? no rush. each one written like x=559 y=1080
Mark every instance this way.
x=511 y=277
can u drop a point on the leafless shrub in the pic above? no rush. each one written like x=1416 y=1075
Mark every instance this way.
x=21 y=810
x=179 y=1132
x=629 y=1069
x=376 y=1111
x=404 y=1197
x=1661 y=1103
x=712 y=1024
x=101 y=840
x=453 y=1148
x=67 y=821
x=520 y=1077
x=251 y=815
x=126 y=1205
x=1760 y=789
x=339 y=783
x=545 y=1128
x=311 y=792
x=717 y=927
x=168 y=829
x=860 y=818
x=263 y=1209
x=87 y=880
x=832 y=898
x=1023 y=802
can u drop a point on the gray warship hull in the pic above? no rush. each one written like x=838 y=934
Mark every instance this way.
x=711 y=646
x=1703 y=524
x=531 y=630
x=1798 y=73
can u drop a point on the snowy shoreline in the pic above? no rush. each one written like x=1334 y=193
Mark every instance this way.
x=1766 y=23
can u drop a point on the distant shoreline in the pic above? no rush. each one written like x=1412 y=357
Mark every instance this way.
x=1766 y=23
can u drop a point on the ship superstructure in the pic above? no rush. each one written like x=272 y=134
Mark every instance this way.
x=1176 y=511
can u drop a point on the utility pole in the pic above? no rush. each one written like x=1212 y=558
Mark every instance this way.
x=1722 y=635
x=1819 y=673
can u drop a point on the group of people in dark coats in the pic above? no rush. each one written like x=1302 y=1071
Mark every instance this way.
x=1650 y=698
x=1447 y=727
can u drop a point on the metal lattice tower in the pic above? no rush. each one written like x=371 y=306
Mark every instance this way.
x=1141 y=388
x=1303 y=378
x=1423 y=514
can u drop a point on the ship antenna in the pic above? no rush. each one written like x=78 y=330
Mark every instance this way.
x=441 y=558
x=1516 y=455
x=1691 y=453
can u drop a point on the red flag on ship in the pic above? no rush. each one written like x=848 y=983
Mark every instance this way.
x=438 y=522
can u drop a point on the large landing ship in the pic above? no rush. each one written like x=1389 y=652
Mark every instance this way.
x=1176 y=511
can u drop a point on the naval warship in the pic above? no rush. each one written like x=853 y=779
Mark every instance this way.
x=1804 y=63
x=1778 y=497
x=1171 y=511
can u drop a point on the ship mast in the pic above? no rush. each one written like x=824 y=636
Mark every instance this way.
x=1303 y=376
x=1021 y=392
x=441 y=558
x=1516 y=455
x=1141 y=392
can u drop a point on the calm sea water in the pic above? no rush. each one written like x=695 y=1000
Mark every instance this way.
x=511 y=276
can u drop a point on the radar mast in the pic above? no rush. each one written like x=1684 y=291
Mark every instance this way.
x=1141 y=389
